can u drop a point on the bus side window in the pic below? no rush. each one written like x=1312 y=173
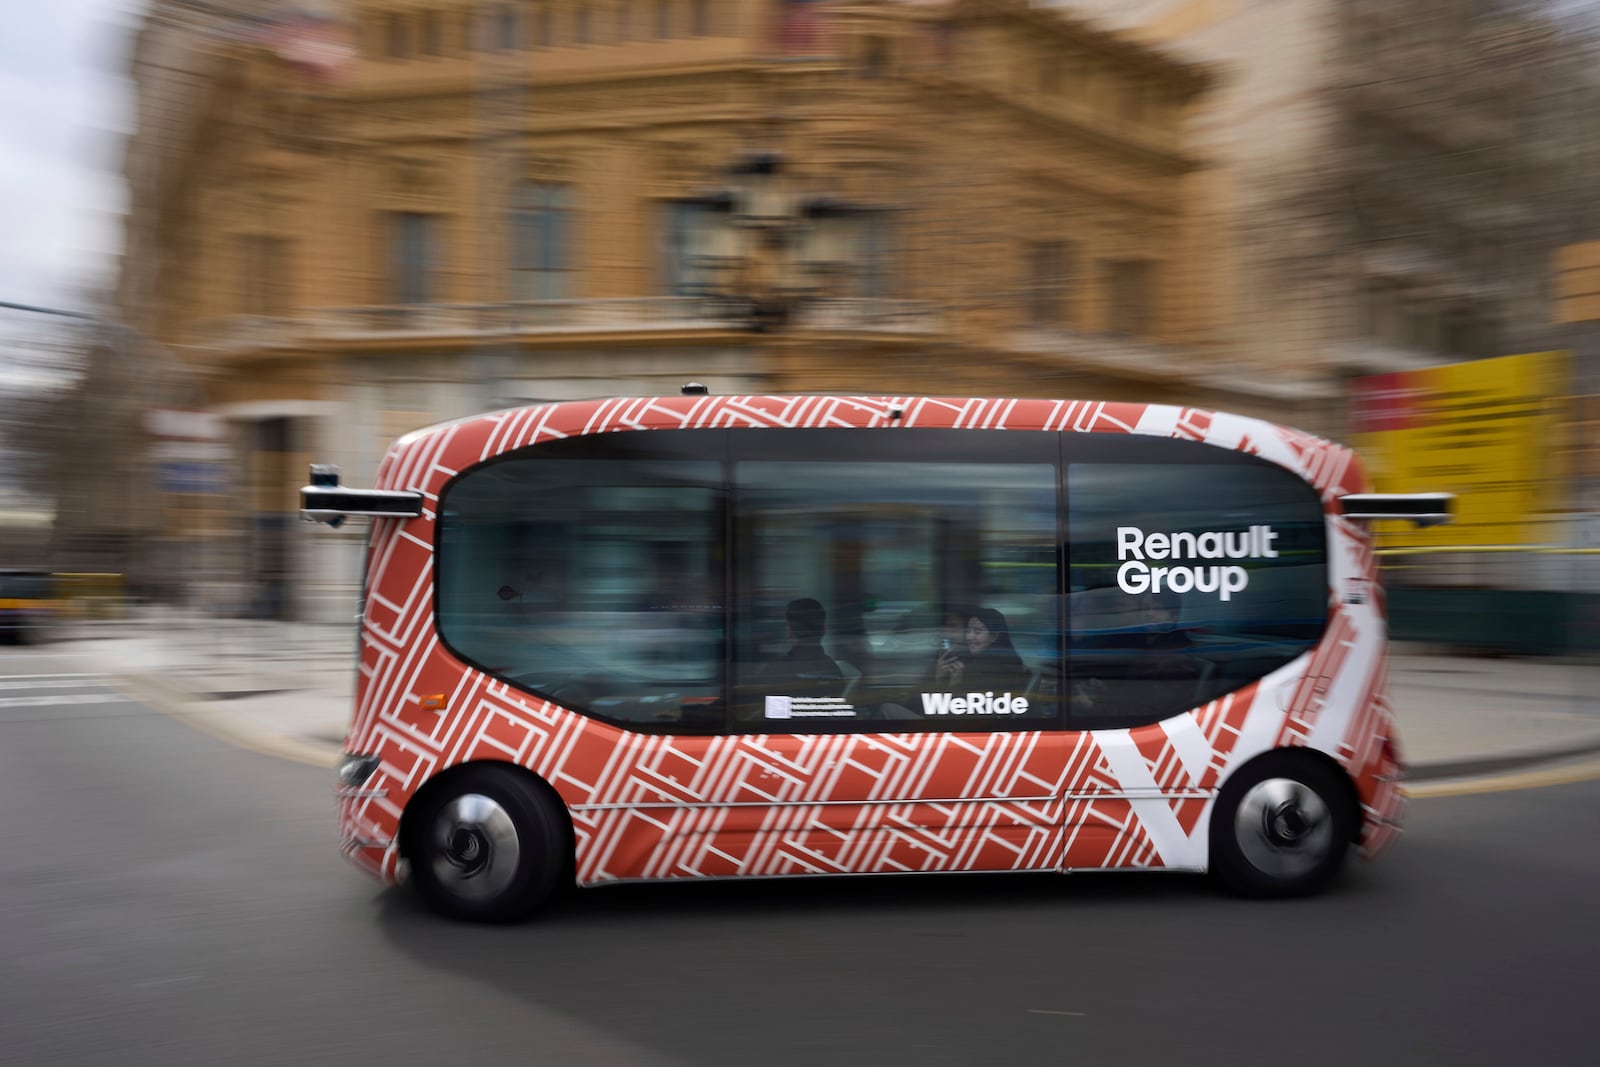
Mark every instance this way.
x=594 y=582
x=901 y=539
x=1188 y=579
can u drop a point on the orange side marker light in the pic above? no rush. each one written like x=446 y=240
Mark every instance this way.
x=432 y=702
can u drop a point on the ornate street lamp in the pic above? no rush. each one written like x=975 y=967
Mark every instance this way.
x=766 y=251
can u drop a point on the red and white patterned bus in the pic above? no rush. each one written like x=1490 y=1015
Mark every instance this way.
x=731 y=636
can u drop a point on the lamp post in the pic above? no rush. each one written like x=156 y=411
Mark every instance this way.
x=767 y=251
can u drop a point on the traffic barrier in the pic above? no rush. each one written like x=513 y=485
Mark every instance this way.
x=1511 y=599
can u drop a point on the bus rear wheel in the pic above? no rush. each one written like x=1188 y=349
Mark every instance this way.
x=489 y=845
x=1281 y=827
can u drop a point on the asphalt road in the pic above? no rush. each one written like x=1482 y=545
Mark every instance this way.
x=169 y=899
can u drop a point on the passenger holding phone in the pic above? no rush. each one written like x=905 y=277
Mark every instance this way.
x=952 y=642
x=990 y=662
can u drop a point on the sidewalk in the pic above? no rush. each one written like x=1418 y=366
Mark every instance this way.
x=286 y=688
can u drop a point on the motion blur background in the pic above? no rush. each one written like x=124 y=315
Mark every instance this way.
x=339 y=221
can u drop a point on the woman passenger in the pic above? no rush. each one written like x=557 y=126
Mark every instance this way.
x=990 y=662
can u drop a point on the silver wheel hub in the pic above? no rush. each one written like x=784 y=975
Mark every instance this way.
x=473 y=846
x=1283 y=827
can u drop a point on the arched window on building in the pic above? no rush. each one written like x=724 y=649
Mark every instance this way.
x=493 y=29
x=696 y=246
x=541 y=230
x=880 y=272
x=507 y=33
x=413 y=257
x=663 y=18
x=431 y=38
x=874 y=57
x=1130 y=297
x=850 y=251
x=399 y=37
x=1050 y=268
x=622 y=30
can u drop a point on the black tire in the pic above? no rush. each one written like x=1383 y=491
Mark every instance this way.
x=1281 y=827
x=488 y=845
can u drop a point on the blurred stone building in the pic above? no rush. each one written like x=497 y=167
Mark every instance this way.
x=426 y=209
x=1391 y=179
x=1402 y=185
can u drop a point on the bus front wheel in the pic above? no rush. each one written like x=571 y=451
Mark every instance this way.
x=488 y=845
x=1281 y=827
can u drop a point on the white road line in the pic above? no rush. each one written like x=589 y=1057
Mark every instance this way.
x=7 y=682
x=60 y=699
x=21 y=677
x=1048 y=1011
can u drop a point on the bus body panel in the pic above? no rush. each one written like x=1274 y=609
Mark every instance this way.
x=649 y=806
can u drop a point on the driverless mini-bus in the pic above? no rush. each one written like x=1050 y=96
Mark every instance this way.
x=705 y=636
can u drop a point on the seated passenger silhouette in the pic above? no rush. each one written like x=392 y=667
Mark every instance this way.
x=805 y=670
x=1143 y=670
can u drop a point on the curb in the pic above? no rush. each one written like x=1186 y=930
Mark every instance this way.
x=223 y=724
x=215 y=718
x=1484 y=766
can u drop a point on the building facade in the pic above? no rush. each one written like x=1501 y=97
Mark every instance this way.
x=1402 y=186
x=462 y=206
x=1391 y=180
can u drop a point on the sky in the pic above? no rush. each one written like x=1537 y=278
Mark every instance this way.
x=64 y=107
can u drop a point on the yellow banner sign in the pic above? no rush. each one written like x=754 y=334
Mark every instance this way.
x=1487 y=431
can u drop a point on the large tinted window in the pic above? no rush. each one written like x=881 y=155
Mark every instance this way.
x=593 y=581
x=1188 y=578
x=864 y=558
x=881 y=579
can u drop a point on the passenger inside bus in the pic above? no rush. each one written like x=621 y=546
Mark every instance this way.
x=952 y=639
x=806 y=669
x=988 y=663
x=1133 y=658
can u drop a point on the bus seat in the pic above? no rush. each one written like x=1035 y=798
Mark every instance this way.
x=852 y=677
